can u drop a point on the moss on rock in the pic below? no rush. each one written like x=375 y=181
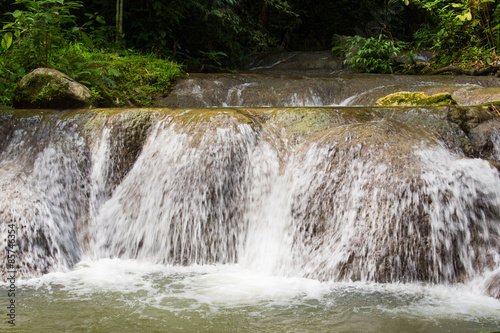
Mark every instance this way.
x=406 y=98
x=49 y=88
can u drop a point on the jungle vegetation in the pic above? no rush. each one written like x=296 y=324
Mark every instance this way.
x=127 y=52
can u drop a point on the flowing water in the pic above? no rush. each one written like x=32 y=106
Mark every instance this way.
x=249 y=219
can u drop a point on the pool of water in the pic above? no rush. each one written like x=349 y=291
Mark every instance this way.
x=113 y=295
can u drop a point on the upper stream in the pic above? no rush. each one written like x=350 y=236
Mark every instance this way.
x=279 y=90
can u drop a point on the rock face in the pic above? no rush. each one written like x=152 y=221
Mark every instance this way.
x=406 y=98
x=50 y=88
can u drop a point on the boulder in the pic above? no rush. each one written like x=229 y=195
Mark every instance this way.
x=52 y=89
x=484 y=136
x=406 y=98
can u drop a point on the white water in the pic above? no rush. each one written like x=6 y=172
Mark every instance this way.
x=45 y=200
x=127 y=294
x=233 y=285
x=330 y=210
x=180 y=202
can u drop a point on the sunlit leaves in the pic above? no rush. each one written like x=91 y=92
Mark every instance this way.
x=7 y=40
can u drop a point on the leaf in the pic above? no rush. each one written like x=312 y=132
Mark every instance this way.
x=86 y=39
x=217 y=13
x=16 y=13
x=7 y=40
x=100 y=19
x=114 y=72
x=466 y=16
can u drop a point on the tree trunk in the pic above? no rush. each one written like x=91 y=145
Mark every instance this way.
x=264 y=12
x=119 y=20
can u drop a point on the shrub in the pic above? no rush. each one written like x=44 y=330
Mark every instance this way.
x=372 y=55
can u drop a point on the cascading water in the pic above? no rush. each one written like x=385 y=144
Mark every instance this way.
x=44 y=184
x=233 y=213
x=181 y=202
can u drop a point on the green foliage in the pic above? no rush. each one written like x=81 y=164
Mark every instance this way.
x=7 y=40
x=11 y=71
x=372 y=55
x=42 y=27
x=95 y=32
x=129 y=80
x=44 y=33
x=459 y=25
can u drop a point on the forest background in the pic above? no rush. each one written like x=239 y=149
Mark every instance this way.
x=128 y=52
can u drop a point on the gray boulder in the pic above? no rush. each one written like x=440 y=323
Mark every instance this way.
x=52 y=89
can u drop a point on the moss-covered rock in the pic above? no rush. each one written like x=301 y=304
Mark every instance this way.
x=406 y=98
x=52 y=89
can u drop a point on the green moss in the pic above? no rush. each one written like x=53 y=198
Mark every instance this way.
x=131 y=80
x=406 y=98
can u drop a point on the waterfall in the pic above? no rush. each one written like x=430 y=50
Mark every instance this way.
x=181 y=202
x=374 y=199
x=44 y=185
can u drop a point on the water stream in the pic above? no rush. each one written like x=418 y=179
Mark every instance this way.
x=246 y=216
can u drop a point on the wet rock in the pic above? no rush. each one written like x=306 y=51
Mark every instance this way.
x=475 y=95
x=365 y=161
x=52 y=89
x=468 y=117
x=127 y=139
x=406 y=98
x=483 y=137
x=6 y=129
x=321 y=62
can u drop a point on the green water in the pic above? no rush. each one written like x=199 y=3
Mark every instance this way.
x=129 y=296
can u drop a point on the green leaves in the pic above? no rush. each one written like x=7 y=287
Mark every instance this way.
x=462 y=24
x=41 y=29
x=372 y=55
x=7 y=40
